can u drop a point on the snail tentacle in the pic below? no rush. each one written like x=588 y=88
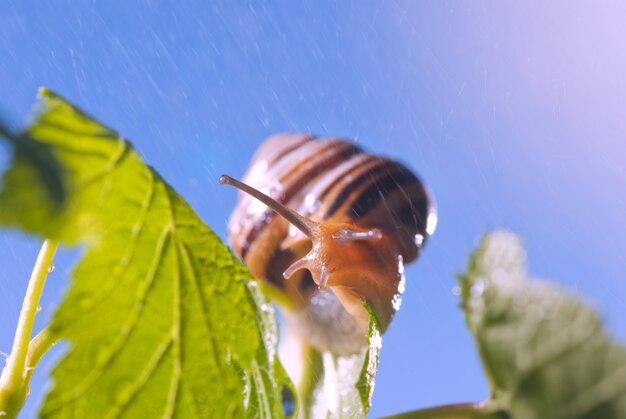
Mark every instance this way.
x=305 y=225
x=296 y=266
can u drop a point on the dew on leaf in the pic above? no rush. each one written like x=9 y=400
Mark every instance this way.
x=478 y=288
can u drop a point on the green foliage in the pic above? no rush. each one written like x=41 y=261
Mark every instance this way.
x=34 y=187
x=340 y=386
x=162 y=319
x=367 y=376
x=351 y=378
x=544 y=351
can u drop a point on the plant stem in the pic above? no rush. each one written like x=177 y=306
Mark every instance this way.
x=453 y=411
x=312 y=373
x=15 y=377
x=37 y=348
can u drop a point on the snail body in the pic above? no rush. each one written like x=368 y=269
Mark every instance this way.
x=332 y=227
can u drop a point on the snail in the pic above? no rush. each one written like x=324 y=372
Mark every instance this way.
x=331 y=226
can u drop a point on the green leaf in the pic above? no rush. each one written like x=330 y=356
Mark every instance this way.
x=162 y=319
x=545 y=352
x=365 y=383
x=33 y=187
x=351 y=378
x=341 y=386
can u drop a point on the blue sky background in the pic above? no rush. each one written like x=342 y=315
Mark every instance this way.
x=513 y=115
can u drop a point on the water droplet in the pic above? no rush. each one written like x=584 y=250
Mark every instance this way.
x=456 y=290
x=478 y=288
x=235 y=229
x=431 y=222
x=311 y=202
x=51 y=268
x=38 y=308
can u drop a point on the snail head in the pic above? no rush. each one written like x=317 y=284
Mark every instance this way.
x=358 y=264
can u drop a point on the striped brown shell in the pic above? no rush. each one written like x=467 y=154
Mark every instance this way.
x=332 y=181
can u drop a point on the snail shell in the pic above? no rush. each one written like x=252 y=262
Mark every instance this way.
x=348 y=222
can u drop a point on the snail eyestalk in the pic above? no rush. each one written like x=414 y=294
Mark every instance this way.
x=296 y=266
x=347 y=234
x=305 y=225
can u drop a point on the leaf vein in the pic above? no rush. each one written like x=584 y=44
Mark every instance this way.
x=205 y=312
x=176 y=306
x=125 y=333
x=125 y=260
x=155 y=361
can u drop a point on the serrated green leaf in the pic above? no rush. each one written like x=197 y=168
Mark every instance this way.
x=268 y=390
x=545 y=352
x=353 y=376
x=162 y=319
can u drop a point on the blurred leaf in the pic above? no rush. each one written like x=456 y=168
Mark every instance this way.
x=544 y=351
x=162 y=319
x=310 y=387
x=33 y=187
